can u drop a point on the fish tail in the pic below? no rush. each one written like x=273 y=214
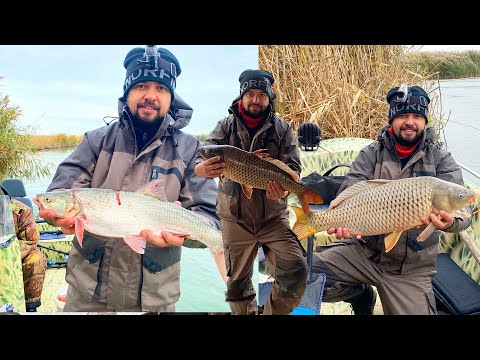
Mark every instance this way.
x=219 y=258
x=301 y=227
x=307 y=197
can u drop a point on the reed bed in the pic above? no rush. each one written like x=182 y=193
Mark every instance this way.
x=342 y=88
x=447 y=65
x=42 y=142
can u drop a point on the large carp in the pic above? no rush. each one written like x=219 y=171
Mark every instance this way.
x=124 y=214
x=375 y=207
x=252 y=171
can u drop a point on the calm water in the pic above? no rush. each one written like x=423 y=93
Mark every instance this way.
x=202 y=288
x=462 y=133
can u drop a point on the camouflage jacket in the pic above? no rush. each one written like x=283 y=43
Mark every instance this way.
x=25 y=227
x=108 y=158
x=379 y=160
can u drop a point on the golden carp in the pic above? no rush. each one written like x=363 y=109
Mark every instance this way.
x=252 y=171
x=124 y=214
x=375 y=207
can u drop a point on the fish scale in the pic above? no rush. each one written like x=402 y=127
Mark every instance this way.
x=375 y=211
x=255 y=170
x=131 y=212
x=378 y=207
x=241 y=166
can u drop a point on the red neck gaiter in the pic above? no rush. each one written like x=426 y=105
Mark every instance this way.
x=403 y=151
x=249 y=121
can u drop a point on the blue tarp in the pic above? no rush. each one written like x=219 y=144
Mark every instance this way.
x=312 y=298
x=49 y=235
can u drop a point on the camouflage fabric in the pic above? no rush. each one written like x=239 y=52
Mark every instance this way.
x=11 y=285
x=34 y=264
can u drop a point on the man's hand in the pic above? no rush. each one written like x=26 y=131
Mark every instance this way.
x=342 y=233
x=275 y=190
x=443 y=221
x=67 y=225
x=165 y=238
x=210 y=168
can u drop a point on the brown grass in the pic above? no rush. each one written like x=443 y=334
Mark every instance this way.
x=342 y=87
x=42 y=142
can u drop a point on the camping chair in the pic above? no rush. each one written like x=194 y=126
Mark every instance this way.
x=17 y=191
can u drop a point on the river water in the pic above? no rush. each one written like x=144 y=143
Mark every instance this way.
x=462 y=99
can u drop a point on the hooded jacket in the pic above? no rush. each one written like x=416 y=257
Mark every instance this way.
x=108 y=158
x=274 y=134
x=379 y=160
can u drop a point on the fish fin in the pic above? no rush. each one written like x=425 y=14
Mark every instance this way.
x=219 y=258
x=247 y=190
x=282 y=166
x=378 y=181
x=136 y=242
x=301 y=227
x=391 y=240
x=356 y=189
x=311 y=197
x=461 y=214
x=154 y=188
x=261 y=155
x=425 y=234
x=79 y=229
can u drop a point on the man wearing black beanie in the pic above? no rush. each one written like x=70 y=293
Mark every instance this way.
x=146 y=144
x=260 y=217
x=403 y=273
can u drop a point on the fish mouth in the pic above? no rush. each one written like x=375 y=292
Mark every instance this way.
x=38 y=203
x=203 y=152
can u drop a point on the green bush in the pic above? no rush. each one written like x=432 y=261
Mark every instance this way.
x=18 y=157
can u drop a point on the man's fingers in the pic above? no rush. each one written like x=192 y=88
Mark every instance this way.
x=172 y=239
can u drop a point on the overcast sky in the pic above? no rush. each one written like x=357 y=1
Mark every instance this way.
x=70 y=88
x=447 y=47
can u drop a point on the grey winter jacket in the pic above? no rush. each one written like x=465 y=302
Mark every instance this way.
x=379 y=160
x=108 y=158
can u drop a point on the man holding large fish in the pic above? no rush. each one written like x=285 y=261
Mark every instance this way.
x=400 y=263
x=147 y=153
x=256 y=156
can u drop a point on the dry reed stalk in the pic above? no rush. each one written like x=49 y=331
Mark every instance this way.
x=342 y=87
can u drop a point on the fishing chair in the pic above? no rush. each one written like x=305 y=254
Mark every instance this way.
x=17 y=191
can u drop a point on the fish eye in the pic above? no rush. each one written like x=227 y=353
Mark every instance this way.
x=48 y=199
x=460 y=195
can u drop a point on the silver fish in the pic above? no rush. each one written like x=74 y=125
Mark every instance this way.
x=124 y=214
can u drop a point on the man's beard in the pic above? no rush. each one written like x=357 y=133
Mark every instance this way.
x=147 y=121
x=254 y=116
x=406 y=142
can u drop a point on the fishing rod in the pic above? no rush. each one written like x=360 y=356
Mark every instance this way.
x=456 y=122
x=49 y=248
